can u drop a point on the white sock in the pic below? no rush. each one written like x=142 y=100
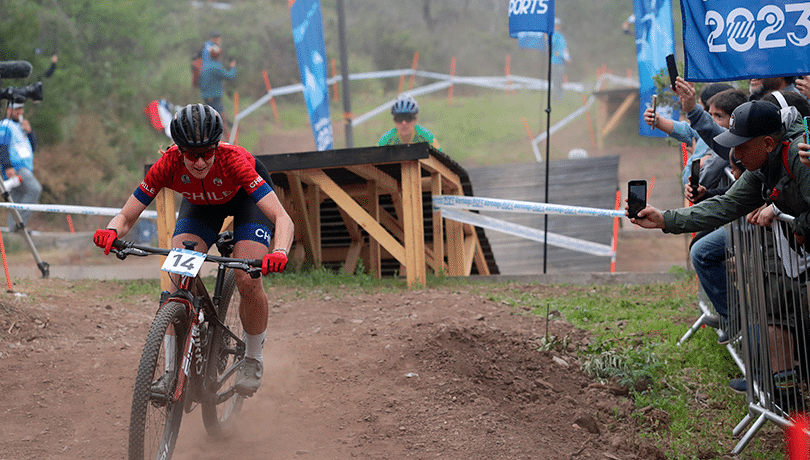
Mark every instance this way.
x=254 y=345
x=169 y=345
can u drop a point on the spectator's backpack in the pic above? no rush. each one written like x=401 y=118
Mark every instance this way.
x=196 y=68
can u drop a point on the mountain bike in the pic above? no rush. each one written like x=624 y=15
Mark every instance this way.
x=206 y=350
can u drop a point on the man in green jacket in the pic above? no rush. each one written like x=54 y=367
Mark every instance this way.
x=768 y=147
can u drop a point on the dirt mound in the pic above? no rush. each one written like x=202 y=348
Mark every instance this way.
x=422 y=374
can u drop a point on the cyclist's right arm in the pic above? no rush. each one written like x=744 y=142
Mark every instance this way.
x=126 y=218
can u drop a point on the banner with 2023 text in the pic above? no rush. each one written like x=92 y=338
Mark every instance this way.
x=307 y=29
x=727 y=40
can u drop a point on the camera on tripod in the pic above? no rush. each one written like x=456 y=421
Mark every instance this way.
x=19 y=69
x=21 y=94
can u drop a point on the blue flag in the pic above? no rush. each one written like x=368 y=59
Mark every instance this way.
x=730 y=40
x=307 y=29
x=654 y=41
x=531 y=16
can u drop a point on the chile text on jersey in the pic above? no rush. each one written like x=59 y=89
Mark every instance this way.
x=233 y=168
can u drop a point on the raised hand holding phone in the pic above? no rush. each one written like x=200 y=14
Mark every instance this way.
x=673 y=70
x=654 y=104
x=636 y=197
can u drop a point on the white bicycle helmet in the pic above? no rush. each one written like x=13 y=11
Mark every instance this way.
x=405 y=105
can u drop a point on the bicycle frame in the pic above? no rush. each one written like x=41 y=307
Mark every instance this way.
x=201 y=308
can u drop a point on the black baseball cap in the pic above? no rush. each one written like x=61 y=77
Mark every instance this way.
x=750 y=120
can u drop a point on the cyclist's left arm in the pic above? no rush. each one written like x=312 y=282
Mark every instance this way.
x=271 y=206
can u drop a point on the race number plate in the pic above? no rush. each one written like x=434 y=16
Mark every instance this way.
x=183 y=262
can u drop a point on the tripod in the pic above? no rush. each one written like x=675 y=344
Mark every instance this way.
x=4 y=193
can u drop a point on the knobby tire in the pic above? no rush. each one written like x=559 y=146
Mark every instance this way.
x=154 y=425
x=219 y=419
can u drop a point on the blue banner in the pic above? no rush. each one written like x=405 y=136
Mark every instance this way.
x=727 y=40
x=531 y=16
x=307 y=29
x=654 y=41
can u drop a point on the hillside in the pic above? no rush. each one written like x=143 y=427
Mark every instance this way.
x=112 y=63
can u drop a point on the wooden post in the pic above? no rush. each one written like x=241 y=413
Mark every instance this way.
x=413 y=223
x=165 y=227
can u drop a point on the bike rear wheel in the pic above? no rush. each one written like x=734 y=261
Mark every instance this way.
x=154 y=420
x=219 y=414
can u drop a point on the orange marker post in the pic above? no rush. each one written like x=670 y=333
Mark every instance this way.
x=70 y=223
x=413 y=67
x=528 y=130
x=615 y=233
x=797 y=440
x=452 y=74
x=272 y=99
x=508 y=71
x=334 y=85
x=5 y=263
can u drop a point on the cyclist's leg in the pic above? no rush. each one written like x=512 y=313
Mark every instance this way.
x=252 y=235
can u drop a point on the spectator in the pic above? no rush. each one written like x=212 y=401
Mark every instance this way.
x=405 y=130
x=18 y=143
x=682 y=132
x=708 y=248
x=214 y=40
x=559 y=57
x=211 y=77
x=763 y=142
x=759 y=87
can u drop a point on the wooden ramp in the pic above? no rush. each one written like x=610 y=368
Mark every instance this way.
x=374 y=205
x=590 y=182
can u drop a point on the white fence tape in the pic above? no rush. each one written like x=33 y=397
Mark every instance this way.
x=512 y=82
x=565 y=242
x=442 y=202
x=455 y=207
x=69 y=209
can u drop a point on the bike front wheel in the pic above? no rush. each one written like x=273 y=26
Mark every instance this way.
x=154 y=420
x=221 y=411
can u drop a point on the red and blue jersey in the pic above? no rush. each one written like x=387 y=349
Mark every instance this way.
x=234 y=168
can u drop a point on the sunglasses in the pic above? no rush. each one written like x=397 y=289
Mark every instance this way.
x=194 y=154
x=403 y=117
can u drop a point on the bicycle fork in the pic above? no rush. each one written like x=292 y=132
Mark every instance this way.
x=192 y=352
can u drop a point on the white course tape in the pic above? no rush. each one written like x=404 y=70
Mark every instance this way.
x=443 y=202
x=561 y=241
x=68 y=209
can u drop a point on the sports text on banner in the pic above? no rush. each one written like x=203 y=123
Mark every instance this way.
x=531 y=16
x=654 y=41
x=731 y=40
x=307 y=28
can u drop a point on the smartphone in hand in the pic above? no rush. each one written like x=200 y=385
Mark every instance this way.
x=673 y=70
x=636 y=197
x=654 y=105
x=694 y=179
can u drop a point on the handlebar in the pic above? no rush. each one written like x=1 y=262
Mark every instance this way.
x=123 y=249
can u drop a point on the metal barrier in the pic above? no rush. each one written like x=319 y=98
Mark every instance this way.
x=768 y=321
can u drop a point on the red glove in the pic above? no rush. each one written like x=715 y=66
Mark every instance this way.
x=104 y=238
x=274 y=263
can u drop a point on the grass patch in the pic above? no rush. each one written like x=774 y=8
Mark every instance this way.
x=635 y=331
